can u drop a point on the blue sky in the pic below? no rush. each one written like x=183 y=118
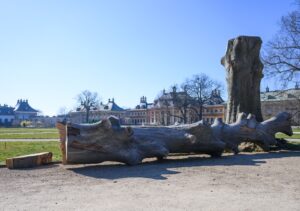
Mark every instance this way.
x=53 y=50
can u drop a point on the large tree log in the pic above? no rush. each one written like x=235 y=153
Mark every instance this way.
x=247 y=129
x=108 y=141
x=244 y=73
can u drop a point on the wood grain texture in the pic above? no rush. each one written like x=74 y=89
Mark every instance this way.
x=28 y=161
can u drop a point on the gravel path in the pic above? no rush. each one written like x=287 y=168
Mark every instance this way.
x=261 y=181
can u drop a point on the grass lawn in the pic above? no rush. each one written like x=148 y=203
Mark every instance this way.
x=29 y=133
x=52 y=133
x=296 y=130
x=11 y=149
x=281 y=135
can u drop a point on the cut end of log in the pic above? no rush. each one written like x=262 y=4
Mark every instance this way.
x=62 y=128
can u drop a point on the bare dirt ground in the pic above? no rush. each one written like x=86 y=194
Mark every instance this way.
x=261 y=181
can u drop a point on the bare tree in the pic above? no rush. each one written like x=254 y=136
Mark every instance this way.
x=281 y=55
x=200 y=88
x=88 y=100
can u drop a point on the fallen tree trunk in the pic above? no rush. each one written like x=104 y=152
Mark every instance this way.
x=108 y=141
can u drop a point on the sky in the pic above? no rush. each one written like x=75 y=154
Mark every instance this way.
x=52 y=50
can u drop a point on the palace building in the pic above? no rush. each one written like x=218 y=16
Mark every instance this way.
x=273 y=102
x=15 y=115
x=98 y=113
x=7 y=115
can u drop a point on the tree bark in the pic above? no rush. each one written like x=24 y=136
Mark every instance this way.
x=108 y=141
x=244 y=73
x=247 y=129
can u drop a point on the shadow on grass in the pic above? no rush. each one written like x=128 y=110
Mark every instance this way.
x=156 y=169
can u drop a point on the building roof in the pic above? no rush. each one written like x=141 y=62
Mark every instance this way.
x=23 y=106
x=168 y=98
x=111 y=106
x=289 y=94
x=143 y=103
x=6 y=110
x=215 y=98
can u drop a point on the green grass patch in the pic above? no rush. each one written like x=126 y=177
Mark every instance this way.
x=296 y=130
x=12 y=149
x=281 y=135
x=27 y=130
x=29 y=136
x=29 y=133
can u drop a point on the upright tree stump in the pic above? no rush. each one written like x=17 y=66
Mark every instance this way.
x=244 y=73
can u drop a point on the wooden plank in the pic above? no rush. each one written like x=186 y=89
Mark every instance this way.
x=28 y=161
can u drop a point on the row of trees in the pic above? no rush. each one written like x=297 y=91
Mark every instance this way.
x=192 y=94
